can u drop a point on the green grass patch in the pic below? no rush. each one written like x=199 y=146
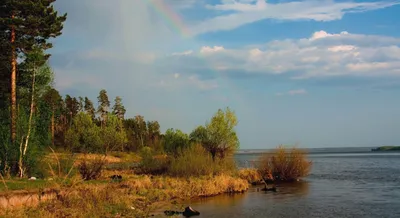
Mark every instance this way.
x=24 y=184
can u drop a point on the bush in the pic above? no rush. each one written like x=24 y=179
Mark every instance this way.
x=91 y=169
x=284 y=164
x=151 y=163
x=84 y=135
x=250 y=174
x=196 y=161
x=175 y=140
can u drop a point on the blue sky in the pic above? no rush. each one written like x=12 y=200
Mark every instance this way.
x=320 y=73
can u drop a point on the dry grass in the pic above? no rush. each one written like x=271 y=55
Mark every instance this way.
x=135 y=196
x=116 y=157
x=250 y=174
x=91 y=169
x=196 y=161
x=284 y=164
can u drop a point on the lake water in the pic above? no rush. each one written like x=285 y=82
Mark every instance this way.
x=352 y=182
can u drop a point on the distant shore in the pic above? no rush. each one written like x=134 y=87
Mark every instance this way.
x=387 y=148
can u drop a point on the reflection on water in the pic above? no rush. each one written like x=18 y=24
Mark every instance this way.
x=293 y=190
x=239 y=205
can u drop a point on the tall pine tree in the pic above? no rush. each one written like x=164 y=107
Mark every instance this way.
x=89 y=108
x=104 y=105
x=119 y=109
x=26 y=24
x=53 y=100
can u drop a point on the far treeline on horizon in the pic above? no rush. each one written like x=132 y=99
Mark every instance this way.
x=36 y=116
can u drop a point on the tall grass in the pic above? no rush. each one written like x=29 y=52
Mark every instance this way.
x=284 y=164
x=195 y=161
x=250 y=174
x=91 y=169
x=192 y=161
x=151 y=163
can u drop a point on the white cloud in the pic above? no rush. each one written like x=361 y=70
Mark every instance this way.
x=176 y=75
x=322 y=34
x=323 y=54
x=207 y=49
x=340 y=48
x=241 y=6
x=188 y=52
x=245 y=12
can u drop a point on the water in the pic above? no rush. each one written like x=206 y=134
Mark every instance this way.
x=343 y=183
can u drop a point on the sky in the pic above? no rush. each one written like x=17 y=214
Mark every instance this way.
x=316 y=73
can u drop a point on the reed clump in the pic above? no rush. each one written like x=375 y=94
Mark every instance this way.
x=284 y=164
x=250 y=174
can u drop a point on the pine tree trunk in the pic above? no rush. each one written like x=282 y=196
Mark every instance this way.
x=13 y=81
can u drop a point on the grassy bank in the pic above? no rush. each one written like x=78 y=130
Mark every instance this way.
x=134 y=196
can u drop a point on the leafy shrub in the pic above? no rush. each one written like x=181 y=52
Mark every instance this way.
x=196 y=161
x=151 y=163
x=284 y=164
x=84 y=135
x=175 y=140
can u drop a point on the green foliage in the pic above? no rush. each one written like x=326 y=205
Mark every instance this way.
x=72 y=108
x=89 y=108
x=8 y=153
x=192 y=161
x=104 y=105
x=387 y=148
x=35 y=149
x=113 y=135
x=118 y=108
x=218 y=136
x=137 y=133
x=152 y=164
x=175 y=140
x=24 y=184
x=33 y=21
x=84 y=135
x=153 y=133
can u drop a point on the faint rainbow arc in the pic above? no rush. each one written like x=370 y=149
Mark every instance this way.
x=172 y=19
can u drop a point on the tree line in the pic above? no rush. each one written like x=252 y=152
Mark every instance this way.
x=35 y=117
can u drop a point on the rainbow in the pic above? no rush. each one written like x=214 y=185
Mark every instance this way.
x=171 y=18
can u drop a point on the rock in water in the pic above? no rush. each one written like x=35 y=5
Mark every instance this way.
x=190 y=212
x=273 y=189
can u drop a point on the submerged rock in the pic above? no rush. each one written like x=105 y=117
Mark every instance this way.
x=190 y=212
x=187 y=213
x=273 y=189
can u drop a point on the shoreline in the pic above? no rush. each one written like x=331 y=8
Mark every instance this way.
x=135 y=195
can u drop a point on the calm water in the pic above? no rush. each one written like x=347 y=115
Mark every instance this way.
x=344 y=183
